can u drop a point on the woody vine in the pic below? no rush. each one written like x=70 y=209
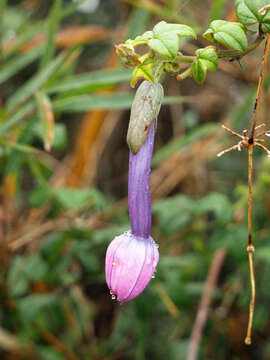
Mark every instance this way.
x=163 y=57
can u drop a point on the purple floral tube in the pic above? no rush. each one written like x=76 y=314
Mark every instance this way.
x=139 y=197
x=132 y=257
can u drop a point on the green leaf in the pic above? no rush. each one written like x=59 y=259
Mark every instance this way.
x=32 y=85
x=199 y=71
x=52 y=26
x=165 y=39
x=141 y=39
x=73 y=198
x=263 y=253
x=35 y=267
x=25 y=110
x=24 y=270
x=138 y=22
x=230 y=34
x=39 y=196
x=19 y=62
x=95 y=80
x=17 y=283
x=142 y=72
x=208 y=57
x=31 y=306
x=173 y=213
x=60 y=141
x=247 y=13
x=110 y=101
x=219 y=204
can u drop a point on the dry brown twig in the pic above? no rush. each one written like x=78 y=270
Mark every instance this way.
x=250 y=139
x=202 y=313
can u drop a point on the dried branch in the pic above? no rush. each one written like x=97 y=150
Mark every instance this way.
x=202 y=313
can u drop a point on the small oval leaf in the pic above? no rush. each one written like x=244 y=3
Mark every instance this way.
x=230 y=34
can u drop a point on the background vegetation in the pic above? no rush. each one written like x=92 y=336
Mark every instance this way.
x=62 y=89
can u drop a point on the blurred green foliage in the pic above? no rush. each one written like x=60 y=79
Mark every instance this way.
x=54 y=237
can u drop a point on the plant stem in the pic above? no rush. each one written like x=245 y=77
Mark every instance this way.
x=225 y=54
x=259 y=89
x=236 y=54
x=250 y=247
x=184 y=74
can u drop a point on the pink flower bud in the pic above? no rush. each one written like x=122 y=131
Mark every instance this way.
x=130 y=264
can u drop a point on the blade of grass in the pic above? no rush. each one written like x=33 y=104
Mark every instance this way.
x=12 y=46
x=3 y=4
x=109 y=101
x=17 y=117
x=91 y=81
x=52 y=27
x=138 y=22
x=69 y=9
x=19 y=62
x=34 y=83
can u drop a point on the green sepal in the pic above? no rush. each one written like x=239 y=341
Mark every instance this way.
x=143 y=71
x=199 y=71
x=230 y=34
x=208 y=57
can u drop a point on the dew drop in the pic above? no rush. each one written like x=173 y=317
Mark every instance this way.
x=267 y=133
x=112 y=295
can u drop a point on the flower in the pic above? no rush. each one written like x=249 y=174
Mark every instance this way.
x=132 y=257
x=130 y=264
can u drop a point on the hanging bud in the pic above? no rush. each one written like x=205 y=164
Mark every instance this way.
x=130 y=264
x=145 y=109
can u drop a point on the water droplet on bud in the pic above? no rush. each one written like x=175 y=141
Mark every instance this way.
x=267 y=133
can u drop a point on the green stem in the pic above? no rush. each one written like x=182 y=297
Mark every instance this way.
x=236 y=54
x=185 y=58
x=185 y=74
x=159 y=71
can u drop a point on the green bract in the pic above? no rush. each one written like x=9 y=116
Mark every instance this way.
x=207 y=59
x=164 y=39
x=248 y=13
x=230 y=34
x=144 y=110
x=144 y=71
